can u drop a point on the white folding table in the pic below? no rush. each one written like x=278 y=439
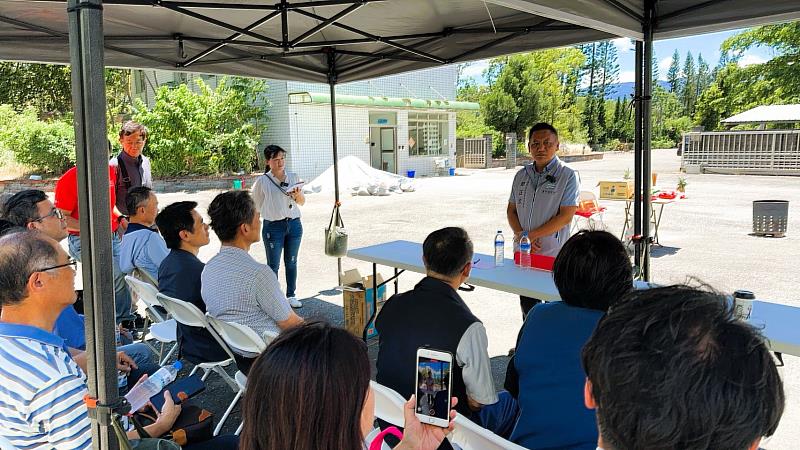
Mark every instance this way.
x=777 y=322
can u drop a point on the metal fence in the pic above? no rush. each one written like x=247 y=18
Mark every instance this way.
x=471 y=153
x=743 y=152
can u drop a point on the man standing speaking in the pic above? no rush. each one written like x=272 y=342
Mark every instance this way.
x=544 y=197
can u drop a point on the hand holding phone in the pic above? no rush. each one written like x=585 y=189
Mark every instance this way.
x=433 y=387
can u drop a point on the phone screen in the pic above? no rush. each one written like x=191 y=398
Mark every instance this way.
x=433 y=380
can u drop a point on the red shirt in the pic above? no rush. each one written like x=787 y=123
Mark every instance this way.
x=67 y=195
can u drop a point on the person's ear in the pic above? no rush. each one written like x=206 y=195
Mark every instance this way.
x=31 y=225
x=35 y=281
x=184 y=235
x=467 y=269
x=588 y=398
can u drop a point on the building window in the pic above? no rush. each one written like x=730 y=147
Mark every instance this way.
x=427 y=134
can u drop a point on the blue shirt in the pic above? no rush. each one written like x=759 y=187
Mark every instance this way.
x=551 y=379
x=71 y=327
x=179 y=277
x=41 y=396
x=142 y=248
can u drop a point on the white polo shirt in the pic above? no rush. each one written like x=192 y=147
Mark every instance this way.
x=538 y=196
x=271 y=201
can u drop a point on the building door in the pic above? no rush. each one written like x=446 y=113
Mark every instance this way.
x=388 y=150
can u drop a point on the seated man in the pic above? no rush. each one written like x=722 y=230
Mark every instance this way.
x=179 y=276
x=32 y=209
x=433 y=314
x=592 y=271
x=672 y=368
x=142 y=247
x=236 y=287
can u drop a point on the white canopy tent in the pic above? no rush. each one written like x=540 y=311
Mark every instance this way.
x=329 y=41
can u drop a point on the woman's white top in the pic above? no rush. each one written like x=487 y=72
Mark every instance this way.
x=270 y=200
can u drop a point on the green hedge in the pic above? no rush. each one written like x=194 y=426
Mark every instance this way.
x=44 y=146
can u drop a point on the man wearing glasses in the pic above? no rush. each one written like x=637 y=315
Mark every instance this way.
x=544 y=197
x=32 y=209
x=132 y=167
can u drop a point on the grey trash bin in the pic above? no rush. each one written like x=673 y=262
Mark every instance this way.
x=770 y=217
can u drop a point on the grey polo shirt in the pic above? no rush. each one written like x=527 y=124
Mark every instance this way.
x=538 y=196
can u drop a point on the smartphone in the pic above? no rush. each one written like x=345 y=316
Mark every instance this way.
x=181 y=390
x=434 y=386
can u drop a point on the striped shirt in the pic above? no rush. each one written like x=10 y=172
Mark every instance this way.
x=237 y=288
x=41 y=393
x=271 y=201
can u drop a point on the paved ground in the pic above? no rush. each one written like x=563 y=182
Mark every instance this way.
x=705 y=236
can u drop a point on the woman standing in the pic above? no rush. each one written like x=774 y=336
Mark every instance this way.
x=279 y=201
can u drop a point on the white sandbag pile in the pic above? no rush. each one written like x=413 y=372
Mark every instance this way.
x=359 y=178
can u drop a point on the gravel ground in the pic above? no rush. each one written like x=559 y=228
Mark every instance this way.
x=705 y=236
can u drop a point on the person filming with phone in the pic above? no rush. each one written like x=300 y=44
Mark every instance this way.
x=278 y=197
x=434 y=315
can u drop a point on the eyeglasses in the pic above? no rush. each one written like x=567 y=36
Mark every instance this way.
x=55 y=212
x=71 y=262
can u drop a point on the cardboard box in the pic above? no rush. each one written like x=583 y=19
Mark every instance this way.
x=620 y=189
x=357 y=302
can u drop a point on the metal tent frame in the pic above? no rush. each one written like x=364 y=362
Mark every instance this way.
x=354 y=40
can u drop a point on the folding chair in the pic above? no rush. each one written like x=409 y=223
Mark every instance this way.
x=190 y=315
x=388 y=404
x=590 y=210
x=244 y=339
x=467 y=435
x=162 y=328
x=144 y=276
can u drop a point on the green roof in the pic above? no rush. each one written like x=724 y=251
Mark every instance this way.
x=381 y=102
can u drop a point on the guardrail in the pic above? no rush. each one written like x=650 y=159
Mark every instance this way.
x=742 y=152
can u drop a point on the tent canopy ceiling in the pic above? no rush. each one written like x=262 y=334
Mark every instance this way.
x=366 y=38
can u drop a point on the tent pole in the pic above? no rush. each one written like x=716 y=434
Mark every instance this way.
x=647 y=91
x=332 y=83
x=89 y=101
x=637 y=152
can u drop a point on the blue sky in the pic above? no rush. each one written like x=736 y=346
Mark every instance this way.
x=706 y=44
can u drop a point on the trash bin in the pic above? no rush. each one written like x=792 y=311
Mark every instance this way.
x=410 y=173
x=452 y=171
x=770 y=217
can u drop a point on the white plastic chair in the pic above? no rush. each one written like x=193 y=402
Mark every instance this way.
x=163 y=329
x=468 y=435
x=388 y=404
x=244 y=339
x=190 y=315
x=589 y=209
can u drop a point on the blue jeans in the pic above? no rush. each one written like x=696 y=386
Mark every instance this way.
x=283 y=236
x=122 y=298
x=143 y=357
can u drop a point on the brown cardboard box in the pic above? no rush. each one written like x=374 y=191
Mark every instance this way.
x=618 y=189
x=357 y=302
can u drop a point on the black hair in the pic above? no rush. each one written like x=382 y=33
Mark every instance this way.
x=672 y=368
x=135 y=197
x=228 y=211
x=7 y=227
x=324 y=369
x=592 y=270
x=130 y=127
x=20 y=209
x=447 y=251
x=270 y=152
x=22 y=254
x=542 y=126
x=173 y=219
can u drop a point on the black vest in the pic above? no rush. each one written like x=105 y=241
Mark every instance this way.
x=433 y=315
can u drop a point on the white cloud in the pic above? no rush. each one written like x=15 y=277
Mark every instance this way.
x=475 y=69
x=624 y=45
x=748 y=59
x=627 y=76
x=663 y=67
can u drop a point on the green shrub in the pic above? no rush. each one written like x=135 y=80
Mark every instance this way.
x=207 y=132
x=45 y=146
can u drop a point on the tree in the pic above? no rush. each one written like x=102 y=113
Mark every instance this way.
x=528 y=88
x=674 y=72
x=688 y=86
x=703 y=76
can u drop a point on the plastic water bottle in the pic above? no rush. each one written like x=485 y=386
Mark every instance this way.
x=525 y=250
x=139 y=395
x=499 y=248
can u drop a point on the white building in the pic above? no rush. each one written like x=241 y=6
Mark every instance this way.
x=395 y=123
